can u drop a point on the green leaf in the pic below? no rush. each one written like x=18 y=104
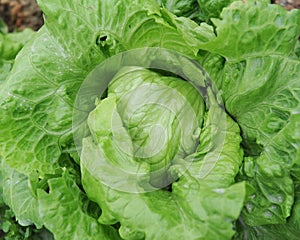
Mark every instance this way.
x=297 y=49
x=62 y=212
x=162 y=115
x=249 y=29
x=219 y=156
x=212 y=8
x=259 y=83
x=186 y=8
x=290 y=230
x=19 y=196
x=1 y=185
x=109 y=27
x=266 y=106
x=36 y=101
x=204 y=200
x=5 y=67
x=272 y=121
x=190 y=211
x=3 y=27
x=12 y=43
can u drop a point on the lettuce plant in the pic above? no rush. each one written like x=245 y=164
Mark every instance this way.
x=150 y=120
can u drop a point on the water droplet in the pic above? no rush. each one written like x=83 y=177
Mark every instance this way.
x=249 y=206
x=268 y=214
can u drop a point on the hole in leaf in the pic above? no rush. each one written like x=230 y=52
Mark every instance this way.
x=100 y=39
x=103 y=38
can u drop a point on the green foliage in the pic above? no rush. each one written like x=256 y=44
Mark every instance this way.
x=158 y=157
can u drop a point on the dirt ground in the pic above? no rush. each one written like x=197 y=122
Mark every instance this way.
x=288 y=4
x=19 y=14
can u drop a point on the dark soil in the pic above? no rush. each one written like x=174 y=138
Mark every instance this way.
x=20 y=14
x=289 y=4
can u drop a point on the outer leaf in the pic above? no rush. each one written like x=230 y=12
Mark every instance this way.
x=249 y=28
x=3 y=27
x=291 y=230
x=191 y=211
x=12 y=43
x=36 y=101
x=62 y=213
x=272 y=121
x=5 y=67
x=266 y=105
x=211 y=8
x=18 y=195
x=181 y=8
x=1 y=185
x=297 y=49
x=136 y=24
